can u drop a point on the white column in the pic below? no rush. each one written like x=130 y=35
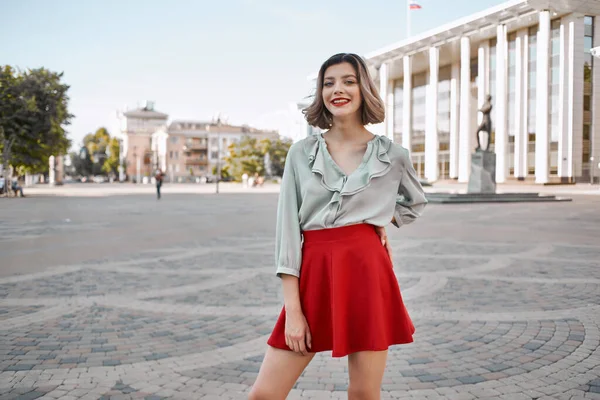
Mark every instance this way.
x=483 y=79
x=465 y=140
x=576 y=97
x=500 y=103
x=454 y=120
x=524 y=145
x=383 y=93
x=595 y=107
x=562 y=100
x=519 y=105
x=431 y=126
x=389 y=112
x=51 y=172
x=407 y=104
x=570 y=93
x=138 y=169
x=542 y=139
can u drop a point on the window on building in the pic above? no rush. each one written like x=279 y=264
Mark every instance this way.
x=588 y=100
x=214 y=142
x=554 y=93
x=214 y=155
x=171 y=155
x=531 y=97
x=585 y=155
x=419 y=107
x=474 y=65
x=511 y=95
x=174 y=139
x=492 y=72
x=419 y=112
x=443 y=115
x=398 y=109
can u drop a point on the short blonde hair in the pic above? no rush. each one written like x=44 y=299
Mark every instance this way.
x=372 y=108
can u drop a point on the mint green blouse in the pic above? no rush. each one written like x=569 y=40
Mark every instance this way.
x=317 y=194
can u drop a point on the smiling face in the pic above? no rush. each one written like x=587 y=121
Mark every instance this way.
x=341 y=90
x=345 y=90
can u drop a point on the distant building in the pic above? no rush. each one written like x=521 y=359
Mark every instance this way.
x=137 y=127
x=187 y=149
x=181 y=149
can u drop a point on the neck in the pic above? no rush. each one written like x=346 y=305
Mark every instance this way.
x=349 y=129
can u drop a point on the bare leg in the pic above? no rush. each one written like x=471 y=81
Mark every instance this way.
x=366 y=370
x=278 y=374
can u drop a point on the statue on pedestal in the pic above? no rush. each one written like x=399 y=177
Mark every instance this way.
x=483 y=162
x=486 y=123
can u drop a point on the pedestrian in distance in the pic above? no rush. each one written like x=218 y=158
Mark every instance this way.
x=339 y=191
x=159 y=180
x=16 y=188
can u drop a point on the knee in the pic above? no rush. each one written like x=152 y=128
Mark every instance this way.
x=259 y=393
x=359 y=392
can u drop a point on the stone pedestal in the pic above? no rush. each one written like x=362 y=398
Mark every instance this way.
x=483 y=172
x=55 y=171
x=52 y=170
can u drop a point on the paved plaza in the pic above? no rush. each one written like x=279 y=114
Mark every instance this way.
x=127 y=297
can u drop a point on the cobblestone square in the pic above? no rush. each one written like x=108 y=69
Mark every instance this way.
x=127 y=297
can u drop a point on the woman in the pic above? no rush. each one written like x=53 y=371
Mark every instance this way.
x=338 y=192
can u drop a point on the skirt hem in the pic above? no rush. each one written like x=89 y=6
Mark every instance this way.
x=344 y=354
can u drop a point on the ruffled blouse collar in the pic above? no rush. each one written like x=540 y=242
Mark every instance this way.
x=375 y=163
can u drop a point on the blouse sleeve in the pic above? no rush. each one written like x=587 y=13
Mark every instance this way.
x=411 y=200
x=288 y=242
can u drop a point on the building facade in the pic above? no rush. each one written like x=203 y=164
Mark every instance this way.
x=533 y=57
x=136 y=130
x=189 y=149
x=183 y=150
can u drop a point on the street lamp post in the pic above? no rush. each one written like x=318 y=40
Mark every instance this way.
x=595 y=52
x=219 y=161
x=137 y=167
x=592 y=170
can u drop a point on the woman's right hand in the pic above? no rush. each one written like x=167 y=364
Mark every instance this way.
x=297 y=332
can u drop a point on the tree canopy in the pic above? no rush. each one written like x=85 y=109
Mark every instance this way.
x=99 y=154
x=249 y=155
x=33 y=117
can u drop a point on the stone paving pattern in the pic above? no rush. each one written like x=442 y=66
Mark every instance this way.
x=125 y=297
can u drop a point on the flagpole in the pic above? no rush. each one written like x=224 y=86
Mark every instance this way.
x=407 y=19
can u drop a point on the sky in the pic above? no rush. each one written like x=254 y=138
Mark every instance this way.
x=246 y=59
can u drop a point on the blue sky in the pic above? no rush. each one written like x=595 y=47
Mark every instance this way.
x=247 y=59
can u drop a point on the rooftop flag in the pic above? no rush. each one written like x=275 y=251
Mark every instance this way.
x=414 y=5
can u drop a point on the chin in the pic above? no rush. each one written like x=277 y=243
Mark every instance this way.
x=346 y=114
x=336 y=112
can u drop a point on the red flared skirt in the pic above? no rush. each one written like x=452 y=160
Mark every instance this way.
x=349 y=294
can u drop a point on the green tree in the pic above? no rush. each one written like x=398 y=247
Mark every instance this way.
x=245 y=156
x=113 y=151
x=277 y=151
x=33 y=114
x=96 y=144
x=10 y=110
x=81 y=162
x=99 y=154
x=224 y=171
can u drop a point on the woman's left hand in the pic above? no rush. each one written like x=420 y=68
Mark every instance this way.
x=384 y=239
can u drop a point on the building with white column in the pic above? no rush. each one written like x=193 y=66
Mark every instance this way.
x=533 y=57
